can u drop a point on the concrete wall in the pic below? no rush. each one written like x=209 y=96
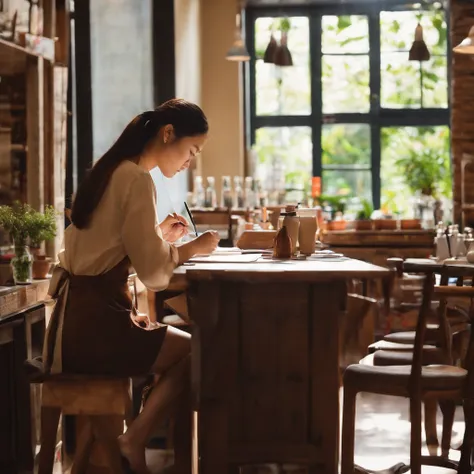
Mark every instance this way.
x=121 y=49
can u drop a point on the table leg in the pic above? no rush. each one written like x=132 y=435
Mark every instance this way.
x=324 y=358
x=212 y=438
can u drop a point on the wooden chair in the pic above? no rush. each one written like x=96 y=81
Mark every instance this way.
x=445 y=341
x=441 y=383
x=456 y=315
x=101 y=406
x=357 y=328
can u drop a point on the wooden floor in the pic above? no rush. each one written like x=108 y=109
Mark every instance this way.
x=382 y=438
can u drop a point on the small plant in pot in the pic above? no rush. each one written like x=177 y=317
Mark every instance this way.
x=43 y=228
x=427 y=173
x=363 y=219
x=23 y=224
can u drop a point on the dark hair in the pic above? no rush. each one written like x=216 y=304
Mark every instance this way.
x=187 y=119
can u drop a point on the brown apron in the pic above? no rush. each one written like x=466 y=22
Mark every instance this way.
x=91 y=330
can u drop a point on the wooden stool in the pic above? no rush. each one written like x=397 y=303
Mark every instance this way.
x=101 y=406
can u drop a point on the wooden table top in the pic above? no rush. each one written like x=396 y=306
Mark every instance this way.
x=431 y=265
x=281 y=270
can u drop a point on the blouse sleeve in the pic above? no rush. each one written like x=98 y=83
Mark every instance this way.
x=153 y=258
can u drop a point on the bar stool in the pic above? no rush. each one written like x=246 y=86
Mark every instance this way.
x=101 y=406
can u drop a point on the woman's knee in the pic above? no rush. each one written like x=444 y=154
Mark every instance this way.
x=176 y=346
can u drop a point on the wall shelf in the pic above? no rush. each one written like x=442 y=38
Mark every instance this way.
x=13 y=57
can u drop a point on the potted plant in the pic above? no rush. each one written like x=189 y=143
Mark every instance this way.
x=427 y=173
x=42 y=229
x=363 y=219
x=23 y=223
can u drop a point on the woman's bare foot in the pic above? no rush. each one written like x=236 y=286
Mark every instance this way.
x=134 y=454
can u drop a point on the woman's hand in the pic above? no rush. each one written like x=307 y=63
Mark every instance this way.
x=206 y=243
x=174 y=227
x=203 y=245
x=141 y=319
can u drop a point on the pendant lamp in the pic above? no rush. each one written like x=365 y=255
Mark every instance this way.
x=238 y=51
x=282 y=53
x=467 y=44
x=419 y=50
x=269 y=56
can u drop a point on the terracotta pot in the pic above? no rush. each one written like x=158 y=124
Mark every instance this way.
x=363 y=225
x=410 y=224
x=337 y=225
x=385 y=224
x=40 y=268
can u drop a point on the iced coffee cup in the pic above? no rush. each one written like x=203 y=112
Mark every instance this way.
x=307 y=230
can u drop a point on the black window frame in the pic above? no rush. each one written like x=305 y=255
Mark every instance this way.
x=377 y=117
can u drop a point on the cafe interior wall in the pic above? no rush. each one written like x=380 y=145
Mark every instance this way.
x=221 y=92
x=187 y=31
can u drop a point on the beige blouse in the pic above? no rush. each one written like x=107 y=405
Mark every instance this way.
x=124 y=223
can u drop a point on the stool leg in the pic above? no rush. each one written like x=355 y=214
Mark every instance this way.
x=49 y=431
x=106 y=433
x=84 y=444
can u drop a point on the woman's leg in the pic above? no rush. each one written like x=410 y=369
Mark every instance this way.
x=172 y=365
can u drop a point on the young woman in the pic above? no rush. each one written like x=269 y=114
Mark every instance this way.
x=114 y=225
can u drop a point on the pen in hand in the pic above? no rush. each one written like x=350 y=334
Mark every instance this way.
x=191 y=218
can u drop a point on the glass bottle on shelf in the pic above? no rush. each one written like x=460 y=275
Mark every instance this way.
x=211 y=196
x=261 y=195
x=226 y=193
x=239 y=202
x=199 y=194
x=249 y=193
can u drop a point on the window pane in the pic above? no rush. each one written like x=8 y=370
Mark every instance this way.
x=345 y=34
x=397 y=30
x=346 y=145
x=348 y=183
x=345 y=84
x=284 y=152
x=400 y=81
x=428 y=147
x=283 y=90
x=435 y=82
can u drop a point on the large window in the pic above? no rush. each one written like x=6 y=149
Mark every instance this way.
x=352 y=105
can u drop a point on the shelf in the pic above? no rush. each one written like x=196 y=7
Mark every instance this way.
x=13 y=57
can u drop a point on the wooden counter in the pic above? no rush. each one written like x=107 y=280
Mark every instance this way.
x=22 y=325
x=15 y=299
x=375 y=246
x=265 y=357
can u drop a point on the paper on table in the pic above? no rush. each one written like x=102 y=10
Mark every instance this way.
x=229 y=258
x=226 y=250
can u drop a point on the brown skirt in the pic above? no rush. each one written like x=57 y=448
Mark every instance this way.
x=98 y=335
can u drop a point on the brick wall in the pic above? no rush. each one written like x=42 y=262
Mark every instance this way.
x=462 y=100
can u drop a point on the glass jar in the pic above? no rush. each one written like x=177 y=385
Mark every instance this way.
x=211 y=197
x=249 y=194
x=21 y=264
x=226 y=192
x=199 y=194
x=239 y=199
